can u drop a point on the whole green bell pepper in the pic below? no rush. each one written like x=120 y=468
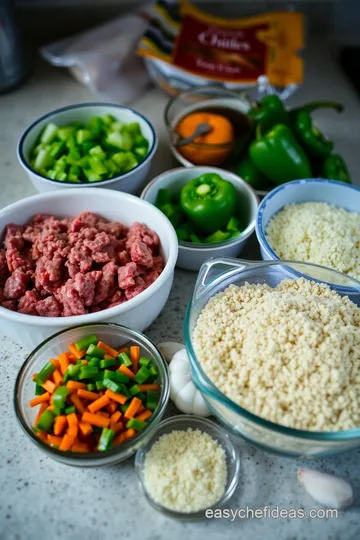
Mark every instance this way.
x=209 y=201
x=334 y=168
x=310 y=138
x=269 y=110
x=278 y=155
x=251 y=174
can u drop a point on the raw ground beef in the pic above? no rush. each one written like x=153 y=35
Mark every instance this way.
x=62 y=267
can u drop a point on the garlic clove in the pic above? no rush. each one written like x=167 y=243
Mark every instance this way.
x=169 y=348
x=177 y=383
x=180 y=361
x=200 y=405
x=185 y=399
x=326 y=489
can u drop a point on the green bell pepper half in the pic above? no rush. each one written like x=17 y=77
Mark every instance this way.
x=269 y=110
x=278 y=155
x=209 y=201
x=309 y=137
x=334 y=168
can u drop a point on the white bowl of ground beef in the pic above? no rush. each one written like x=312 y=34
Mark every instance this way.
x=82 y=256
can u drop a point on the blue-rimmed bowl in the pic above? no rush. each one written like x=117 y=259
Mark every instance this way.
x=129 y=182
x=317 y=190
x=215 y=276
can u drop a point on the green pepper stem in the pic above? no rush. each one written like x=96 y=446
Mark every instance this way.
x=258 y=132
x=203 y=189
x=320 y=105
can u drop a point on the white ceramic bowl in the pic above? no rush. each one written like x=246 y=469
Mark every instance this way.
x=192 y=257
x=130 y=182
x=137 y=313
x=335 y=193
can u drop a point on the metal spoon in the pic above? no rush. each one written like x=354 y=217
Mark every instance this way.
x=201 y=129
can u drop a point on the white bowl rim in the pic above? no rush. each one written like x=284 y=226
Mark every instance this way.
x=74 y=320
x=204 y=248
x=260 y=232
x=52 y=114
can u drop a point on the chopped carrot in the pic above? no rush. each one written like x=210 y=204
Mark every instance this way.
x=129 y=433
x=56 y=362
x=42 y=435
x=85 y=428
x=119 y=439
x=78 y=354
x=135 y=357
x=108 y=357
x=144 y=415
x=71 y=357
x=95 y=420
x=124 y=349
x=53 y=440
x=116 y=417
x=49 y=386
x=72 y=431
x=72 y=419
x=99 y=404
x=119 y=398
x=85 y=394
x=67 y=442
x=40 y=399
x=111 y=408
x=148 y=387
x=42 y=408
x=75 y=385
x=34 y=376
x=104 y=414
x=51 y=408
x=117 y=427
x=126 y=371
x=60 y=424
x=132 y=408
x=75 y=400
x=141 y=409
x=63 y=362
x=57 y=377
x=108 y=349
x=80 y=447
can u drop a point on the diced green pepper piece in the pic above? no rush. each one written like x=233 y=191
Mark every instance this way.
x=46 y=421
x=72 y=372
x=43 y=160
x=82 y=135
x=91 y=387
x=87 y=357
x=134 y=390
x=144 y=361
x=108 y=362
x=154 y=373
x=141 y=142
x=61 y=176
x=96 y=126
x=111 y=385
x=182 y=234
x=123 y=141
x=39 y=390
x=152 y=399
x=45 y=373
x=133 y=128
x=100 y=385
x=233 y=224
x=142 y=375
x=59 y=397
x=93 y=350
x=91 y=176
x=140 y=152
x=108 y=119
x=124 y=359
x=136 y=424
x=106 y=439
x=116 y=376
x=85 y=342
x=194 y=238
x=97 y=151
x=94 y=361
x=124 y=390
x=57 y=411
x=70 y=410
x=163 y=197
x=124 y=408
x=141 y=396
x=97 y=166
x=88 y=372
x=217 y=236
x=49 y=134
x=65 y=132
x=56 y=149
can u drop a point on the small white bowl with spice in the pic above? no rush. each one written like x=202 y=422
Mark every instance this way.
x=188 y=467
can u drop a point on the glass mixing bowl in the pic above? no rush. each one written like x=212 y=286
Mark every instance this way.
x=217 y=274
x=115 y=336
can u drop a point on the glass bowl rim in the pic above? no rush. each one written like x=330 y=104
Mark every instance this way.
x=204 y=146
x=224 y=439
x=92 y=456
x=209 y=388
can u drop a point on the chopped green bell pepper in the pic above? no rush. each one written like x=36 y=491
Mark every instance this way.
x=45 y=373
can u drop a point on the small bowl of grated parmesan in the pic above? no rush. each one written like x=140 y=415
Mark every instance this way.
x=189 y=468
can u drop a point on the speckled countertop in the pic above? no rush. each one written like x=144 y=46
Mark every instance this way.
x=40 y=498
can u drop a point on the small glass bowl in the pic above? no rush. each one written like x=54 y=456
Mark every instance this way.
x=183 y=422
x=199 y=99
x=115 y=336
